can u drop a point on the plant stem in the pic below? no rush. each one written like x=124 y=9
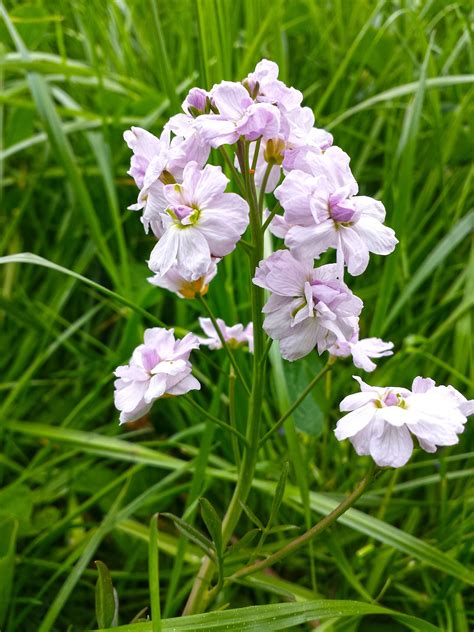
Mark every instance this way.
x=297 y=402
x=318 y=528
x=226 y=347
x=232 y=420
x=235 y=173
x=266 y=175
x=272 y=214
x=216 y=420
x=199 y=597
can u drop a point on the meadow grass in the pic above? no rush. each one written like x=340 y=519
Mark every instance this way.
x=391 y=82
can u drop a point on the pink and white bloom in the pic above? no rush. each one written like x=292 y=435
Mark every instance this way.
x=238 y=116
x=201 y=222
x=309 y=307
x=235 y=336
x=362 y=351
x=157 y=161
x=323 y=211
x=175 y=282
x=263 y=82
x=158 y=368
x=381 y=421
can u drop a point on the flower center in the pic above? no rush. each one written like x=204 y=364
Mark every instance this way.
x=341 y=208
x=184 y=216
x=390 y=398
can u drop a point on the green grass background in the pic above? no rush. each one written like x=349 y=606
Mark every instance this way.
x=391 y=81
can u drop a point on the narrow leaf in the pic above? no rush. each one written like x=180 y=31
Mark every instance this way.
x=106 y=607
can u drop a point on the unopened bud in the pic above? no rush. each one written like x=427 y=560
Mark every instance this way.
x=167 y=178
x=189 y=289
x=196 y=101
x=274 y=151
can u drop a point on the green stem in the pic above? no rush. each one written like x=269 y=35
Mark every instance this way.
x=235 y=173
x=274 y=211
x=318 y=528
x=199 y=597
x=216 y=420
x=232 y=419
x=297 y=402
x=226 y=347
x=266 y=175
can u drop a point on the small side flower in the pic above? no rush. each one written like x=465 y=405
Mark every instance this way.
x=158 y=368
x=382 y=421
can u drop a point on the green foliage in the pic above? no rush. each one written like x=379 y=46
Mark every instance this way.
x=392 y=83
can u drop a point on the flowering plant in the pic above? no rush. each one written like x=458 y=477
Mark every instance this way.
x=269 y=145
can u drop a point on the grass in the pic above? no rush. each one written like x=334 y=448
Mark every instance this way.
x=391 y=82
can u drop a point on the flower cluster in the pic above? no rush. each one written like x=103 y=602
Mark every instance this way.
x=381 y=421
x=272 y=145
x=159 y=368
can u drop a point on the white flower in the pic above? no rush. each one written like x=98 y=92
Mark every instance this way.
x=381 y=421
x=362 y=350
x=235 y=336
x=201 y=222
x=158 y=368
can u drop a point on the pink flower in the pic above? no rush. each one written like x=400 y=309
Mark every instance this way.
x=238 y=116
x=362 y=350
x=201 y=222
x=196 y=101
x=309 y=307
x=264 y=83
x=381 y=421
x=158 y=368
x=157 y=161
x=235 y=336
x=175 y=282
x=323 y=211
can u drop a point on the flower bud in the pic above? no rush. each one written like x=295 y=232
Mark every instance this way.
x=167 y=178
x=196 y=102
x=274 y=151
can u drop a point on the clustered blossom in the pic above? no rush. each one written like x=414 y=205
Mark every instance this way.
x=362 y=350
x=158 y=368
x=309 y=307
x=197 y=221
x=323 y=210
x=201 y=222
x=234 y=336
x=382 y=421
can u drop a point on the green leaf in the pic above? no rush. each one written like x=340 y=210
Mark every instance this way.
x=214 y=526
x=279 y=493
x=154 y=575
x=244 y=542
x=281 y=616
x=193 y=534
x=308 y=417
x=252 y=517
x=443 y=249
x=8 y=533
x=28 y=257
x=213 y=523
x=106 y=605
x=16 y=502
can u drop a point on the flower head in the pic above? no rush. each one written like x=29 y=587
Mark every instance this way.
x=362 y=350
x=158 y=161
x=235 y=336
x=309 y=307
x=175 y=282
x=323 y=211
x=238 y=115
x=381 y=421
x=200 y=222
x=158 y=368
